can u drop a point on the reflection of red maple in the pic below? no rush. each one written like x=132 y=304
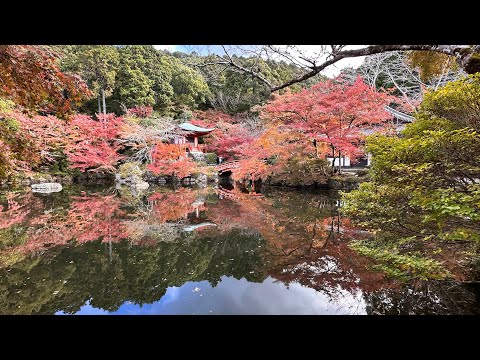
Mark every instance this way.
x=102 y=211
x=314 y=253
x=312 y=250
x=172 y=205
x=14 y=212
x=89 y=218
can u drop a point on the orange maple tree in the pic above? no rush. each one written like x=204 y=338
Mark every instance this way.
x=30 y=76
x=171 y=160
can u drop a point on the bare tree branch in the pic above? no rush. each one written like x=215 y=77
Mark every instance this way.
x=328 y=55
x=255 y=74
x=454 y=50
x=394 y=67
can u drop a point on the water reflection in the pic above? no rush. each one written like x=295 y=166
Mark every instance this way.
x=202 y=251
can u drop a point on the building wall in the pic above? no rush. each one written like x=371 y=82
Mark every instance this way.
x=345 y=161
x=178 y=140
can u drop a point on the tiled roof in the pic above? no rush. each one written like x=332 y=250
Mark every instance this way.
x=191 y=127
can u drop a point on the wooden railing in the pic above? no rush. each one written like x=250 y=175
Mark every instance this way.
x=191 y=147
x=227 y=166
x=235 y=194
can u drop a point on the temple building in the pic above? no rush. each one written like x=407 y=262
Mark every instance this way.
x=188 y=136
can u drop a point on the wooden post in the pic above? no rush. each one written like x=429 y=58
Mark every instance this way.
x=195 y=141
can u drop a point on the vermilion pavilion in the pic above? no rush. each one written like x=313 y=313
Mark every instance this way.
x=188 y=136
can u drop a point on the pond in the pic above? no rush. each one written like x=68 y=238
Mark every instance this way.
x=212 y=250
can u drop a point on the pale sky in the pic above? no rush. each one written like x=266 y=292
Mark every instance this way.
x=310 y=50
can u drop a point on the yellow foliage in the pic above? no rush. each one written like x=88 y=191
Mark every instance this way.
x=431 y=63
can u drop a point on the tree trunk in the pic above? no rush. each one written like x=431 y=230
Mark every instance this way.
x=333 y=161
x=316 y=147
x=103 y=99
x=339 y=162
x=99 y=104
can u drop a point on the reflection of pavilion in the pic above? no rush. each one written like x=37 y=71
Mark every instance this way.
x=197 y=226
x=197 y=206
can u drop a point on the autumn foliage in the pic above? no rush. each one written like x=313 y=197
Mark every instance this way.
x=141 y=111
x=297 y=132
x=28 y=141
x=229 y=134
x=29 y=75
x=300 y=130
x=334 y=113
x=172 y=205
x=274 y=152
x=170 y=159
x=93 y=144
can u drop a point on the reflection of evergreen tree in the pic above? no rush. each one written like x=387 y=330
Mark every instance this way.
x=285 y=235
x=66 y=278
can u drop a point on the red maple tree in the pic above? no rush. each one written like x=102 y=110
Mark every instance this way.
x=171 y=160
x=229 y=134
x=333 y=113
x=92 y=143
x=28 y=141
x=140 y=111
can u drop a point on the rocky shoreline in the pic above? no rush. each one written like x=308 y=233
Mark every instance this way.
x=145 y=180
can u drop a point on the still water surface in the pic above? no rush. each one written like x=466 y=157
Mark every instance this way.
x=101 y=250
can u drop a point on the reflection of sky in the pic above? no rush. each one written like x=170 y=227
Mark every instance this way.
x=233 y=296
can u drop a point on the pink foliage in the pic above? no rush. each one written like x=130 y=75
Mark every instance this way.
x=14 y=213
x=228 y=135
x=92 y=143
x=141 y=111
x=332 y=112
x=89 y=218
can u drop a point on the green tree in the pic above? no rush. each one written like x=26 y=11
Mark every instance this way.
x=153 y=64
x=189 y=86
x=96 y=64
x=425 y=189
x=457 y=102
x=235 y=92
x=133 y=87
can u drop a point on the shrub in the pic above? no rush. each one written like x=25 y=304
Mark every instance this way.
x=211 y=158
x=129 y=169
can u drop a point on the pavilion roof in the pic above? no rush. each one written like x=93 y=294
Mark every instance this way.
x=193 y=128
